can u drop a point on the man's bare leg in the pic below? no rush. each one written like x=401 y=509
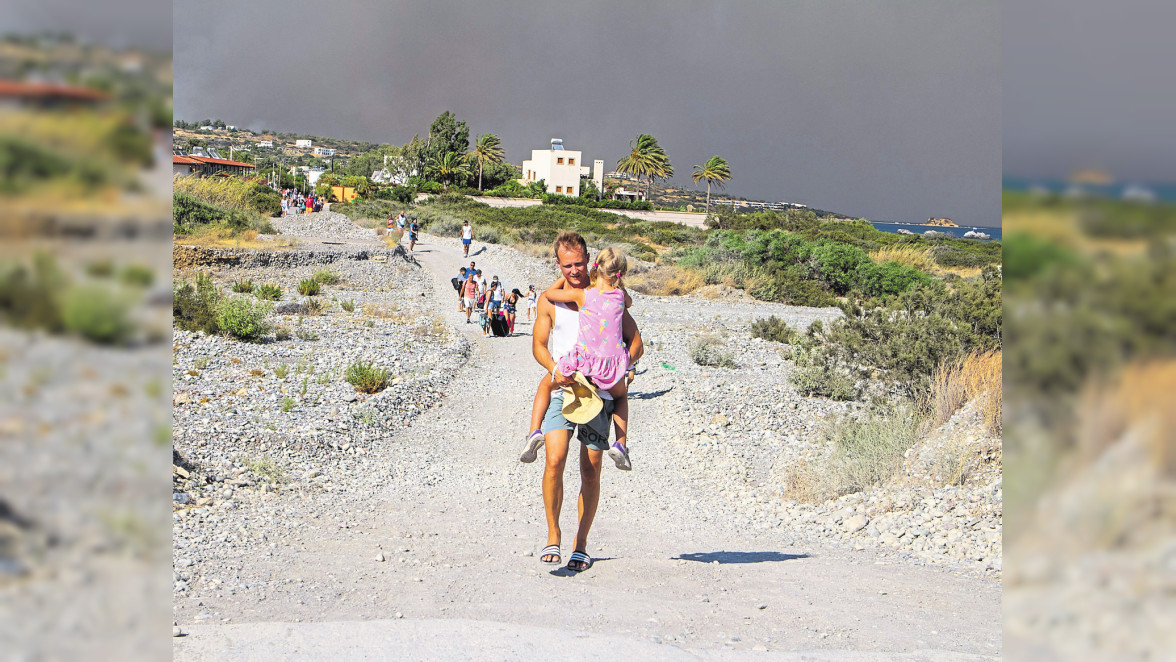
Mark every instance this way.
x=553 y=489
x=590 y=461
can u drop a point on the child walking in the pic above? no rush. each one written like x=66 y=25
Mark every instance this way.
x=599 y=353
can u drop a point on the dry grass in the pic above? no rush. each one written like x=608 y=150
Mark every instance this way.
x=665 y=281
x=389 y=311
x=221 y=237
x=915 y=257
x=542 y=251
x=1142 y=397
x=956 y=383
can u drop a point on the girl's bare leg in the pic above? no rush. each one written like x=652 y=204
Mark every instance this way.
x=620 y=394
x=542 y=401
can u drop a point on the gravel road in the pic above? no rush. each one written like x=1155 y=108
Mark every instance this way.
x=305 y=513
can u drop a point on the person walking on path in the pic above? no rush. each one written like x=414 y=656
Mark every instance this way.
x=467 y=237
x=413 y=229
x=560 y=324
x=469 y=289
x=401 y=221
x=457 y=283
x=509 y=306
x=532 y=301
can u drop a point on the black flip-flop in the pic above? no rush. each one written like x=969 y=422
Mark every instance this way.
x=551 y=550
x=580 y=558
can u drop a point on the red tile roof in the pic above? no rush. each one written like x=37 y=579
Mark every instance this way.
x=176 y=158
x=208 y=159
x=16 y=88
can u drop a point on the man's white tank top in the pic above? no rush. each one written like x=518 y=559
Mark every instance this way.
x=564 y=331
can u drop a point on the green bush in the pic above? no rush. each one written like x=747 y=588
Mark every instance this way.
x=268 y=292
x=29 y=293
x=1027 y=256
x=243 y=318
x=309 y=287
x=774 y=329
x=103 y=268
x=348 y=305
x=97 y=313
x=838 y=264
x=871 y=449
x=243 y=287
x=366 y=377
x=194 y=307
x=707 y=350
x=138 y=275
x=888 y=279
x=326 y=277
x=264 y=200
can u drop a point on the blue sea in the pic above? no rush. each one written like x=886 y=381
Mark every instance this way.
x=920 y=229
x=1160 y=192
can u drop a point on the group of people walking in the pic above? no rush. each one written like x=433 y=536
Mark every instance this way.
x=294 y=202
x=404 y=224
x=491 y=299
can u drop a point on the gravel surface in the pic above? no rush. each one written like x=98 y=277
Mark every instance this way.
x=411 y=503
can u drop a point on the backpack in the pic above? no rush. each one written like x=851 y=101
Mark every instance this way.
x=456 y=282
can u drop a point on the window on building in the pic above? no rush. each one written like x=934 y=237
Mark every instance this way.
x=559 y=160
x=571 y=161
x=559 y=189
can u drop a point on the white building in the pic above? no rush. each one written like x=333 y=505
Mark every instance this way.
x=303 y=143
x=266 y=143
x=561 y=169
x=324 y=151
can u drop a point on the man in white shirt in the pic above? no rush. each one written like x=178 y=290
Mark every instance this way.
x=560 y=324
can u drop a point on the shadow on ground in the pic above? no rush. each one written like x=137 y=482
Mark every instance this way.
x=739 y=557
x=648 y=395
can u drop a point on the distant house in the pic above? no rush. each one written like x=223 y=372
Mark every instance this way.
x=266 y=143
x=207 y=165
x=207 y=127
x=324 y=151
x=44 y=96
x=303 y=143
x=184 y=165
x=561 y=169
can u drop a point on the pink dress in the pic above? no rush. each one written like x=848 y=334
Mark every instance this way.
x=599 y=353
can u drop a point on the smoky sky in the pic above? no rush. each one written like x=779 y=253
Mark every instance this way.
x=888 y=110
x=1088 y=84
x=144 y=24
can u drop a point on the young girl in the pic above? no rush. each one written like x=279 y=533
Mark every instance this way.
x=599 y=353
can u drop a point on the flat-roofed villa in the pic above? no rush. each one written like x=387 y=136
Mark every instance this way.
x=559 y=168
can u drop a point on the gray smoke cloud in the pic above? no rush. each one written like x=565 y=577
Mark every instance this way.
x=887 y=110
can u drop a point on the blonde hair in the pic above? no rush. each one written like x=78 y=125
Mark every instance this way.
x=611 y=265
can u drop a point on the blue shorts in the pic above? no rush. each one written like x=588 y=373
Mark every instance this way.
x=466 y=241
x=593 y=434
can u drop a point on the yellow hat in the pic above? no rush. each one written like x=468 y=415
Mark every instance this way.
x=581 y=402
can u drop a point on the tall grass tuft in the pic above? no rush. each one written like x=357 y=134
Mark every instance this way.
x=915 y=257
x=958 y=382
x=366 y=377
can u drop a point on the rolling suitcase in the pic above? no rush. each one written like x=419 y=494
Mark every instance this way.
x=498 y=325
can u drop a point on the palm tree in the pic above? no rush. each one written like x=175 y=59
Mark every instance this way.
x=487 y=149
x=714 y=171
x=448 y=166
x=646 y=159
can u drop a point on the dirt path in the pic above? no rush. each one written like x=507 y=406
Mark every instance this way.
x=459 y=522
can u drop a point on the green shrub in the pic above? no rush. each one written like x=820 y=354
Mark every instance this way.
x=309 y=287
x=287 y=403
x=103 y=268
x=281 y=371
x=889 y=278
x=348 y=305
x=838 y=264
x=707 y=350
x=138 y=275
x=243 y=287
x=316 y=306
x=29 y=293
x=194 y=307
x=268 y=292
x=326 y=277
x=775 y=330
x=366 y=377
x=97 y=314
x=871 y=449
x=243 y=318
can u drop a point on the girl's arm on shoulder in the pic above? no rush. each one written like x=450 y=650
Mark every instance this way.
x=569 y=295
x=628 y=299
